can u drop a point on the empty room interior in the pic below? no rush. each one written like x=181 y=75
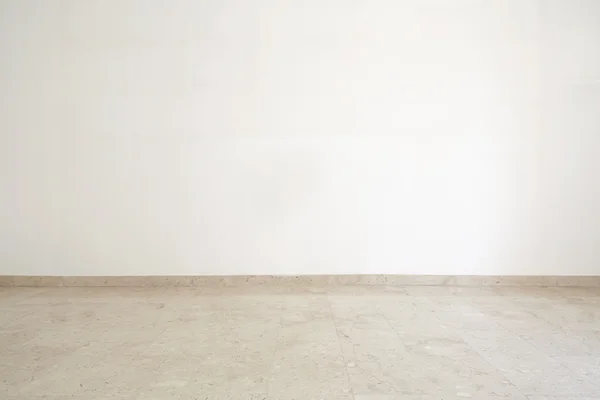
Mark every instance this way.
x=300 y=200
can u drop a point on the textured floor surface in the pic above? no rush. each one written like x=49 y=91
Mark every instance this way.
x=345 y=343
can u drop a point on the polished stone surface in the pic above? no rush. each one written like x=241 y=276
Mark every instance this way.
x=295 y=343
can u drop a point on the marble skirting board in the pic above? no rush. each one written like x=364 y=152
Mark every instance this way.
x=298 y=280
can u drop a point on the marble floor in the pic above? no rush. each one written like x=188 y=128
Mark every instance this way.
x=339 y=343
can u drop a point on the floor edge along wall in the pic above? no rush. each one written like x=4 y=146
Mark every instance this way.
x=297 y=280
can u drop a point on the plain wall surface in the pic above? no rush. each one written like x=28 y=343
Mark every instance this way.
x=147 y=137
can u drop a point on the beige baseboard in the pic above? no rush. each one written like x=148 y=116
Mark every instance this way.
x=299 y=280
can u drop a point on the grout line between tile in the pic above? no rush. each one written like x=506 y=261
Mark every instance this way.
x=337 y=333
x=284 y=308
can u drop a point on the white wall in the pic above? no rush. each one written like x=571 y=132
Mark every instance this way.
x=192 y=137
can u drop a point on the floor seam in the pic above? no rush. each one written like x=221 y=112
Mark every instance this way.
x=337 y=333
x=284 y=308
